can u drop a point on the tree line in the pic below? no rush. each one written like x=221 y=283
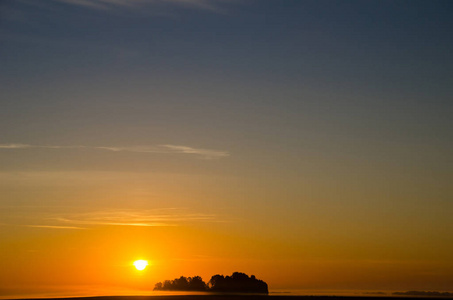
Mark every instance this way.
x=236 y=283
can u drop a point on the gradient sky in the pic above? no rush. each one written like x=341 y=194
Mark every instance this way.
x=306 y=142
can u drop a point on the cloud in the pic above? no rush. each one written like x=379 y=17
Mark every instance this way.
x=203 y=152
x=212 y=5
x=165 y=217
x=146 y=218
x=54 y=227
x=93 y=4
x=15 y=146
x=160 y=149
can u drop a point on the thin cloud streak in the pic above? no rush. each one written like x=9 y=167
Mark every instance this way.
x=15 y=146
x=54 y=227
x=86 y=3
x=160 y=149
x=103 y=223
x=211 y=5
x=166 y=217
x=150 y=218
x=203 y=152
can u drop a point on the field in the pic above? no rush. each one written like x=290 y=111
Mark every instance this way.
x=236 y=297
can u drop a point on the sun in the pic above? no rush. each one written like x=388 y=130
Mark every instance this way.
x=140 y=264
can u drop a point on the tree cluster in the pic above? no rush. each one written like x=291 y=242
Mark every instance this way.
x=424 y=294
x=236 y=283
x=182 y=284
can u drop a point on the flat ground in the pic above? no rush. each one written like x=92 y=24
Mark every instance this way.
x=238 y=297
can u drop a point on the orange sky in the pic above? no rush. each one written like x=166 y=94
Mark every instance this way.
x=90 y=248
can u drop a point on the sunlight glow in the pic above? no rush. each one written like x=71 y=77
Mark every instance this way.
x=140 y=264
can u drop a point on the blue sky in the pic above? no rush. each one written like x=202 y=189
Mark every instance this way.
x=367 y=58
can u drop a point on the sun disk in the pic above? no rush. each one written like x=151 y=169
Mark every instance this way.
x=140 y=264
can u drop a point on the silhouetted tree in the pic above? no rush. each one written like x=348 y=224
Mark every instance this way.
x=424 y=294
x=182 y=284
x=216 y=280
x=236 y=283
x=167 y=285
x=197 y=284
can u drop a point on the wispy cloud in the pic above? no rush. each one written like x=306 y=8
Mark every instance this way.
x=146 y=218
x=212 y=5
x=54 y=227
x=162 y=149
x=203 y=152
x=14 y=146
x=143 y=218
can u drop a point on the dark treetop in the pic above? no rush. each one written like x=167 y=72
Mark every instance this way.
x=236 y=283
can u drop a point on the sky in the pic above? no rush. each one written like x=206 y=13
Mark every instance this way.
x=305 y=142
